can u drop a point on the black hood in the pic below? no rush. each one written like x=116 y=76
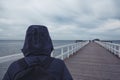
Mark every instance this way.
x=37 y=41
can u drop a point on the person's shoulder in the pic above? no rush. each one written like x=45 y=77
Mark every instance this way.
x=14 y=64
x=12 y=67
x=58 y=61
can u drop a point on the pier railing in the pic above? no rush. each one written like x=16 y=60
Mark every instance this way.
x=112 y=47
x=65 y=51
x=61 y=52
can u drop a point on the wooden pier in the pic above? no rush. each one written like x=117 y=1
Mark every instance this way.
x=91 y=62
x=94 y=62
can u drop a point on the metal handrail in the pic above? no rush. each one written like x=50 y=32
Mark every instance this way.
x=70 y=50
x=112 y=47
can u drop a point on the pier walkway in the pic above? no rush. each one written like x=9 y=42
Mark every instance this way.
x=94 y=62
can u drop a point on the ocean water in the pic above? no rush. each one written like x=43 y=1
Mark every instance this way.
x=8 y=47
x=116 y=41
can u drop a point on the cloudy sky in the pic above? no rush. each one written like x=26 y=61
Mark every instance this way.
x=65 y=19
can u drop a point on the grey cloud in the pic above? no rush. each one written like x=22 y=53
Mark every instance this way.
x=80 y=15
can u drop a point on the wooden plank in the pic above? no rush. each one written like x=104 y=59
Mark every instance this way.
x=93 y=62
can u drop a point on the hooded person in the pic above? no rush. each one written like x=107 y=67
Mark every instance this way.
x=37 y=48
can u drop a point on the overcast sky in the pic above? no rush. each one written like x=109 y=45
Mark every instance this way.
x=65 y=19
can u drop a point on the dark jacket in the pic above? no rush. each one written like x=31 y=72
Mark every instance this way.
x=37 y=47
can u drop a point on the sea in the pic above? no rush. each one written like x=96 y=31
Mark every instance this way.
x=9 y=47
x=116 y=41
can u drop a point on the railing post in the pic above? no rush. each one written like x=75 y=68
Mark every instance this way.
x=119 y=52
x=109 y=47
x=72 y=50
x=115 y=50
x=75 y=47
x=62 y=55
x=52 y=53
x=112 y=48
x=68 y=52
x=79 y=45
